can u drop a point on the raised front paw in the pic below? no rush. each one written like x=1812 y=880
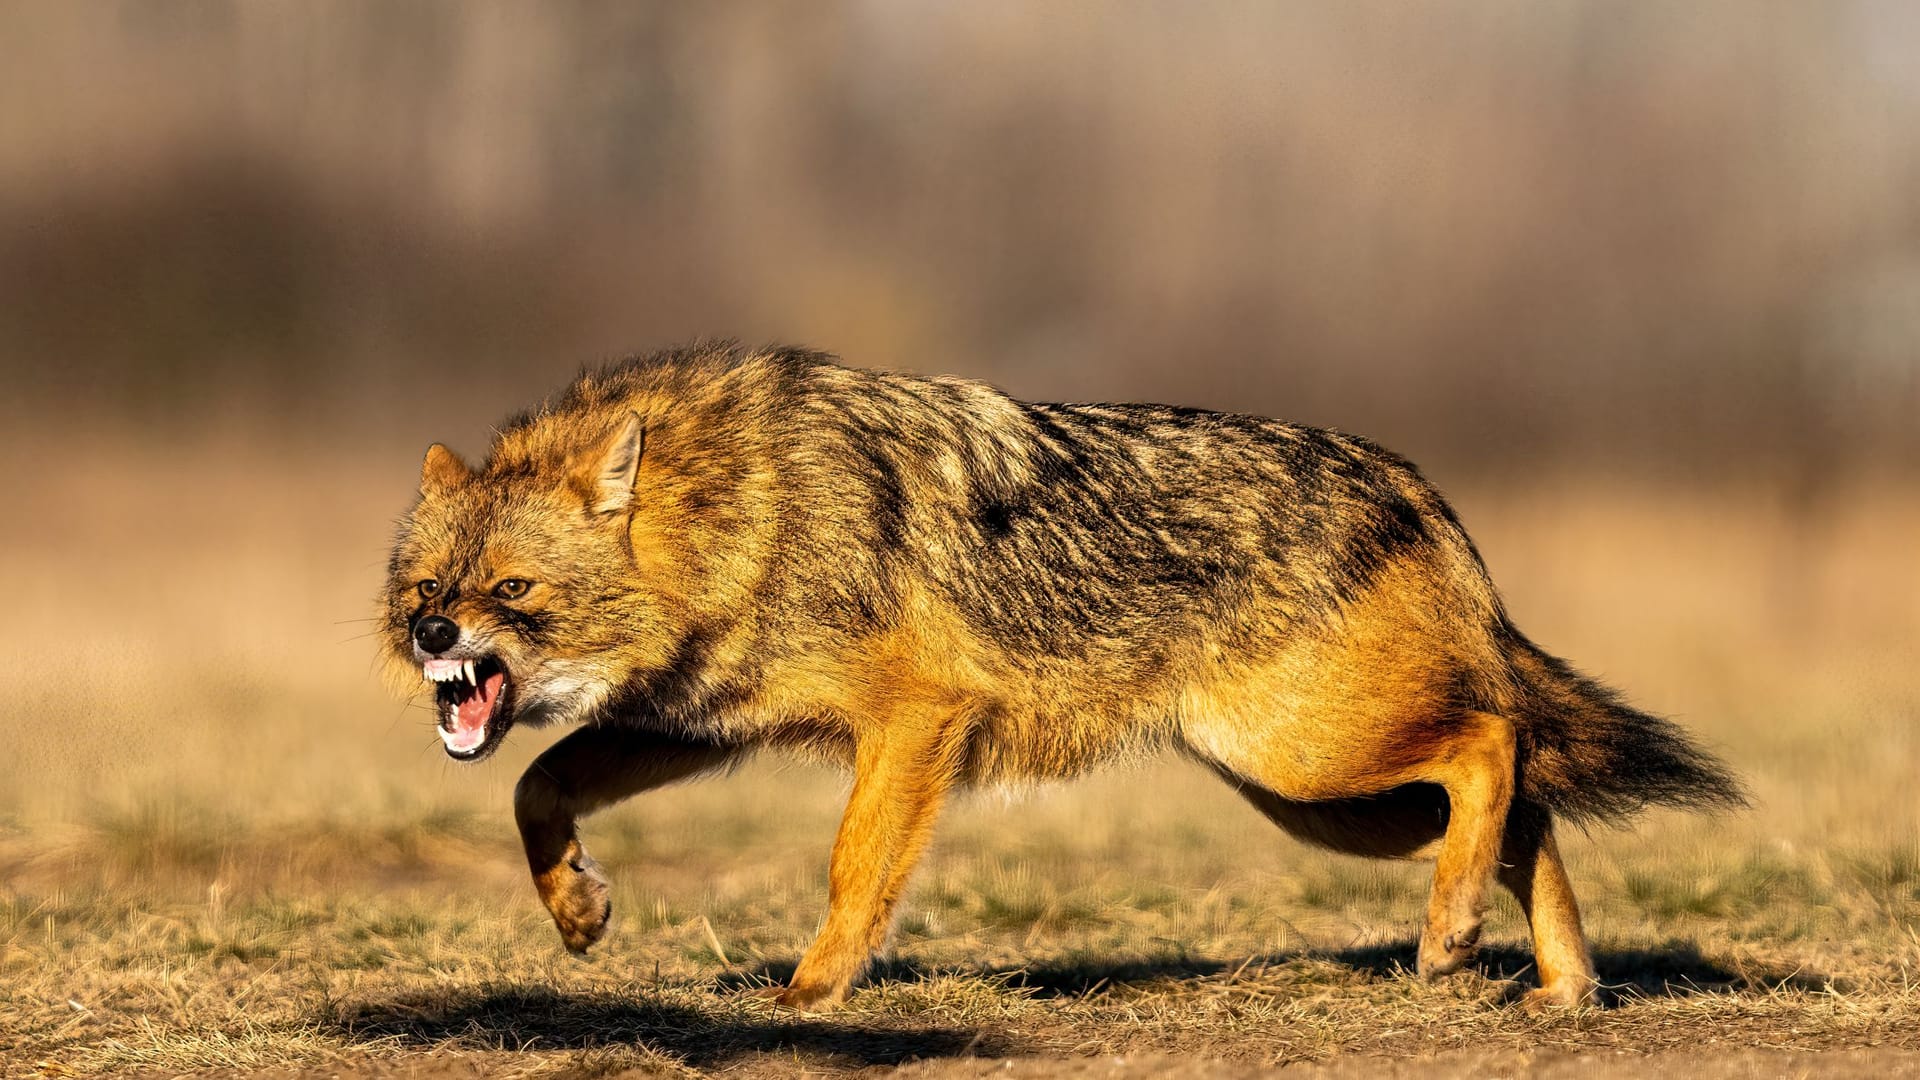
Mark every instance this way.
x=580 y=898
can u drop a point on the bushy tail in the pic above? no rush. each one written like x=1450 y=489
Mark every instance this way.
x=1590 y=756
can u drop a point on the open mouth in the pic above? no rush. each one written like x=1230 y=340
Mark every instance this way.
x=474 y=699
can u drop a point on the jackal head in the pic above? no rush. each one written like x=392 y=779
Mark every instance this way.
x=513 y=590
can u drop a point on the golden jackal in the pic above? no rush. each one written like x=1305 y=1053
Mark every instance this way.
x=713 y=550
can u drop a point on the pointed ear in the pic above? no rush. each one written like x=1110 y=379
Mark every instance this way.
x=606 y=473
x=442 y=471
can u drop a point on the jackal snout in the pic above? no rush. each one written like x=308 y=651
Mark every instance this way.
x=435 y=634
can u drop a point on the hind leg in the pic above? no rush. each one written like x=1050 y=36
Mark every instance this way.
x=1403 y=823
x=1476 y=769
x=1471 y=759
x=1531 y=869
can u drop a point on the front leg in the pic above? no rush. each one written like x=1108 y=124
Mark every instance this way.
x=902 y=774
x=589 y=770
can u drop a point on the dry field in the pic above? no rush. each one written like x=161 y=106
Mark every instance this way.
x=222 y=850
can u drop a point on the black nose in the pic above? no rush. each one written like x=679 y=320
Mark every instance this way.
x=435 y=634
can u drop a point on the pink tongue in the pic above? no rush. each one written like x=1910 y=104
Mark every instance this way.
x=471 y=712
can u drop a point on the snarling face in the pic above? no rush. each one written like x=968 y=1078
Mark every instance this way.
x=513 y=595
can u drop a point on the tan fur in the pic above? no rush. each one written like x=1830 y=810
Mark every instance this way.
x=935 y=585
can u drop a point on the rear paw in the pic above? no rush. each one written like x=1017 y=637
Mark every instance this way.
x=1443 y=954
x=580 y=899
x=809 y=998
x=1570 y=993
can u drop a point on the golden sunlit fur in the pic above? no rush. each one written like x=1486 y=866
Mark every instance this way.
x=936 y=585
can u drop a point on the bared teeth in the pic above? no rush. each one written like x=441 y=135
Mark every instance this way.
x=446 y=671
x=452 y=671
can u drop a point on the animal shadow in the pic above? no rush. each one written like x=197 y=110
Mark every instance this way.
x=1677 y=969
x=1674 y=970
x=528 y=1018
x=522 y=1018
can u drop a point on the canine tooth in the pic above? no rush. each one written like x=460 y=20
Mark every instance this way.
x=468 y=667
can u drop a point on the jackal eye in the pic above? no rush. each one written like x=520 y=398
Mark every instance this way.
x=512 y=588
x=428 y=589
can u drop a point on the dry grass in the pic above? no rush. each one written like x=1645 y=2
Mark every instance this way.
x=221 y=849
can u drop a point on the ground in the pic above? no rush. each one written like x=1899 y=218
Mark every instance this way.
x=1035 y=936
x=223 y=852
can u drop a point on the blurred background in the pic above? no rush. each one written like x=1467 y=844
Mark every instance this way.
x=1637 y=283
x=1676 y=240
